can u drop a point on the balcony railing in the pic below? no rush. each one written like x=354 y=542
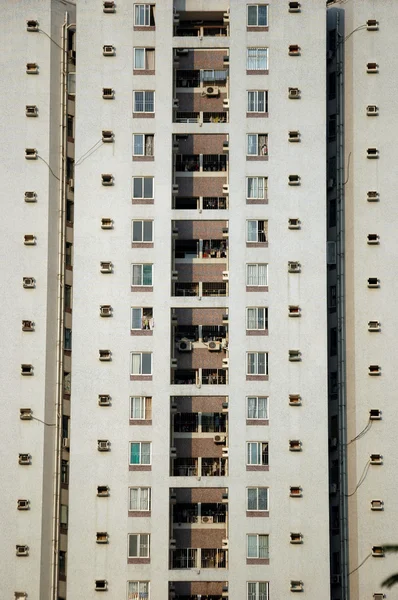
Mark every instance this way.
x=199 y=558
x=195 y=423
x=214 y=376
x=187 y=30
x=193 y=78
x=200 y=117
x=200 y=162
x=206 y=467
x=199 y=376
x=205 y=203
x=214 y=467
x=189 y=514
x=201 y=289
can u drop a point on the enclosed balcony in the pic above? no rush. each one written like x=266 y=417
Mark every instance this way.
x=190 y=22
x=211 y=376
x=201 y=163
x=206 y=203
x=205 y=467
x=200 y=514
x=200 y=423
x=198 y=590
x=199 y=558
x=201 y=288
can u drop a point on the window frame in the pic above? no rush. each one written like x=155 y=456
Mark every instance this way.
x=143 y=222
x=144 y=140
x=140 y=453
x=257 y=319
x=143 y=178
x=144 y=101
x=145 y=50
x=143 y=409
x=259 y=152
x=256 y=408
x=256 y=596
x=139 y=499
x=146 y=14
x=253 y=194
x=258 y=537
x=141 y=319
x=142 y=283
x=256 y=364
x=256 y=103
x=131 y=595
x=140 y=355
x=257 y=265
x=139 y=545
x=254 y=57
x=257 y=508
x=257 y=6
x=257 y=231
x=262 y=450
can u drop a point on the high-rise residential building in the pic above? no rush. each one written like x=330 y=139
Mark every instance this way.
x=228 y=384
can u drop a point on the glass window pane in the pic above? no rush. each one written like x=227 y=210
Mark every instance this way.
x=262 y=408
x=138 y=144
x=133 y=499
x=149 y=101
x=262 y=16
x=263 y=590
x=252 y=144
x=148 y=187
x=136 y=318
x=146 y=363
x=133 y=545
x=252 y=499
x=252 y=231
x=137 y=275
x=252 y=546
x=252 y=15
x=262 y=275
x=139 y=58
x=261 y=363
x=251 y=318
x=147 y=231
x=251 y=363
x=138 y=101
x=135 y=453
x=147 y=275
x=145 y=453
x=262 y=499
x=251 y=591
x=263 y=546
x=251 y=106
x=137 y=231
x=261 y=101
x=144 y=544
x=137 y=187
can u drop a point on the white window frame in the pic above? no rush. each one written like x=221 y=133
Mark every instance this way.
x=140 y=545
x=144 y=197
x=257 y=507
x=255 y=593
x=253 y=146
x=144 y=52
x=144 y=101
x=257 y=408
x=256 y=187
x=259 y=450
x=255 y=362
x=253 y=231
x=141 y=318
x=139 y=362
x=141 y=275
x=138 y=405
x=146 y=13
x=257 y=6
x=258 y=537
x=141 y=593
x=143 y=501
x=256 y=318
x=141 y=454
x=254 y=58
x=256 y=276
x=253 y=102
x=144 y=225
x=143 y=137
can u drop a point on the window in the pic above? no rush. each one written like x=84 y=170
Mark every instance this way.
x=68 y=296
x=140 y=498
x=142 y=231
x=70 y=126
x=140 y=453
x=257 y=59
x=65 y=472
x=141 y=363
x=257 y=590
x=144 y=102
x=144 y=59
x=140 y=407
x=143 y=144
x=256 y=231
x=257 y=498
x=143 y=187
x=138 y=590
x=139 y=545
x=257 y=453
x=144 y=17
x=257 y=363
x=141 y=318
x=256 y=188
x=257 y=407
x=257 y=15
x=64 y=516
x=62 y=562
x=67 y=339
x=257 y=101
x=256 y=318
x=257 y=546
x=256 y=275
x=142 y=275
x=257 y=144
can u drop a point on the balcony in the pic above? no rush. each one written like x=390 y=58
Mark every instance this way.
x=199 y=558
x=189 y=250
x=201 y=289
x=199 y=376
x=200 y=423
x=200 y=163
x=206 y=203
x=201 y=117
x=205 y=467
x=201 y=514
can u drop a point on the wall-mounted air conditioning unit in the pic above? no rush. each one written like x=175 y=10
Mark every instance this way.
x=25 y=414
x=104 y=445
x=105 y=310
x=207 y=520
x=103 y=491
x=214 y=346
x=32 y=25
x=24 y=459
x=212 y=91
x=109 y=50
x=30 y=197
x=219 y=439
x=185 y=345
x=23 y=504
x=31 y=110
x=108 y=137
x=109 y=6
x=105 y=355
x=104 y=400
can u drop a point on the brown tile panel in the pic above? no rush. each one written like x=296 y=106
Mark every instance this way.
x=200 y=186
x=255 y=332
x=257 y=513
x=142 y=201
x=142 y=28
x=256 y=200
x=257 y=422
x=203 y=144
x=142 y=288
x=140 y=422
x=138 y=561
x=252 y=115
x=211 y=59
x=143 y=72
x=200 y=316
x=201 y=272
x=194 y=102
x=257 y=561
x=200 y=230
x=256 y=244
x=257 y=468
x=200 y=403
x=140 y=467
x=255 y=72
x=194 y=447
x=194 y=495
x=257 y=288
x=142 y=332
x=142 y=245
x=209 y=588
x=139 y=513
x=200 y=357
x=143 y=158
x=142 y=115
x=256 y=377
x=205 y=537
x=256 y=158
x=255 y=29
x=141 y=377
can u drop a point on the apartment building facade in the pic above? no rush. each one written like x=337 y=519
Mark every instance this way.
x=199 y=240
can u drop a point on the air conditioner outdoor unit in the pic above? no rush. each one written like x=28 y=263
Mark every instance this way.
x=212 y=91
x=31 y=110
x=30 y=197
x=32 y=25
x=372 y=110
x=109 y=6
x=25 y=414
x=214 y=346
x=23 y=504
x=219 y=439
x=182 y=51
x=106 y=310
x=104 y=445
x=65 y=443
x=104 y=400
x=25 y=459
x=107 y=136
x=102 y=490
x=207 y=520
x=109 y=50
x=22 y=550
x=184 y=345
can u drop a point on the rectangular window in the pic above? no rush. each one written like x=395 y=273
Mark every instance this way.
x=257 y=453
x=257 y=59
x=257 y=590
x=141 y=363
x=257 y=546
x=256 y=188
x=144 y=102
x=257 y=144
x=68 y=339
x=140 y=453
x=257 y=407
x=144 y=59
x=139 y=545
x=257 y=498
x=257 y=274
x=71 y=126
x=138 y=590
x=257 y=15
x=256 y=318
x=142 y=318
x=257 y=101
x=144 y=16
x=143 y=187
x=64 y=516
x=140 y=407
x=257 y=363
x=142 y=231
x=65 y=472
x=143 y=144
x=142 y=275
x=140 y=498
x=257 y=231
